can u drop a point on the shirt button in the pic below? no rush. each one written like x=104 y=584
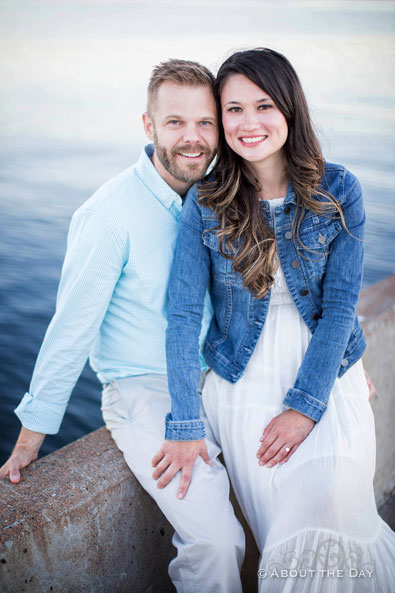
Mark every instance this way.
x=288 y=235
x=304 y=292
x=287 y=209
x=344 y=362
x=321 y=239
x=316 y=316
x=295 y=264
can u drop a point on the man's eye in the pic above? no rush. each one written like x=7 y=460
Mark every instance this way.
x=174 y=122
x=206 y=123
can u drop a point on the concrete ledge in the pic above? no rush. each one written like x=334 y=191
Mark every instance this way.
x=79 y=522
x=377 y=312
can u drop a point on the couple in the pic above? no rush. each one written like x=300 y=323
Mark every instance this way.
x=276 y=234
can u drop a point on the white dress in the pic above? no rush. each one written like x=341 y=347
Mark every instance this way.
x=314 y=518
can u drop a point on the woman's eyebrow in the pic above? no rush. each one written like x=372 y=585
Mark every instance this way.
x=257 y=101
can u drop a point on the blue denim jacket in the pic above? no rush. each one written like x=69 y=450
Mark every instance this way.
x=324 y=286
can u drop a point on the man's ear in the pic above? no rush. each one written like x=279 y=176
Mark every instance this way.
x=148 y=126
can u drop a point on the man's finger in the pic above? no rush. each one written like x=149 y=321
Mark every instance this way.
x=14 y=473
x=186 y=476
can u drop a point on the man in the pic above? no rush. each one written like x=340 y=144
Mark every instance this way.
x=111 y=306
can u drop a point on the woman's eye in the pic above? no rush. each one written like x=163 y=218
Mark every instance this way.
x=234 y=109
x=265 y=106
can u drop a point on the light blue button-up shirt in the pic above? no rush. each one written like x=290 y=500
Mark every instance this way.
x=112 y=296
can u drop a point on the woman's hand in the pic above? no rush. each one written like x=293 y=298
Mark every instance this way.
x=282 y=436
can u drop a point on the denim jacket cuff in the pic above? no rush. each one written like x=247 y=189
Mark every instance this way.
x=184 y=430
x=304 y=403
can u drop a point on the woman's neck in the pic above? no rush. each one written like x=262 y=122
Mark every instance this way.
x=272 y=177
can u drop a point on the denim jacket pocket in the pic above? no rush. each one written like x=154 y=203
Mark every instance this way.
x=222 y=267
x=314 y=244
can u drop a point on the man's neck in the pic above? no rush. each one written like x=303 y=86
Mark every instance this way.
x=180 y=187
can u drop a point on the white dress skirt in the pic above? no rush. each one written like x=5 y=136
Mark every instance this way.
x=314 y=518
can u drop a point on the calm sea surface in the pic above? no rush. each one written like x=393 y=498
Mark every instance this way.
x=71 y=104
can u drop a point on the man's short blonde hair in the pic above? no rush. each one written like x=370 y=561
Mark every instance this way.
x=182 y=72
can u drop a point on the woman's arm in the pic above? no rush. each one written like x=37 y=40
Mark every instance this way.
x=188 y=283
x=308 y=398
x=340 y=292
x=189 y=277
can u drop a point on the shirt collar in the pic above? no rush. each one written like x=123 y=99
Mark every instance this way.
x=290 y=198
x=153 y=181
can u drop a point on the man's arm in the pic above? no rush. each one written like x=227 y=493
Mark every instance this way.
x=91 y=269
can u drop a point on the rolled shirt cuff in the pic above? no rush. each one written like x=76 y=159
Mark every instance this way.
x=184 y=430
x=304 y=403
x=40 y=415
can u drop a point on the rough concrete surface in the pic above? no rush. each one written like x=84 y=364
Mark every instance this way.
x=377 y=312
x=79 y=522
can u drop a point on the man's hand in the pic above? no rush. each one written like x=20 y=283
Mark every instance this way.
x=174 y=456
x=25 y=451
x=282 y=436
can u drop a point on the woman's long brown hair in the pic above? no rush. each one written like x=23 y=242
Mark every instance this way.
x=232 y=195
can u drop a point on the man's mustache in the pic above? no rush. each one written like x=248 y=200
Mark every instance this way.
x=192 y=149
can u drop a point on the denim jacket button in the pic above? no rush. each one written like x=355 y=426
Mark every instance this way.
x=304 y=292
x=288 y=235
x=295 y=264
x=316 y=316
x=344 y=362
x=287 y=209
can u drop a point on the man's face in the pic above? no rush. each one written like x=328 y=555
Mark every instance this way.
x=183 y=127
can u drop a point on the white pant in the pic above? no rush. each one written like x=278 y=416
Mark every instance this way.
x=208 y=537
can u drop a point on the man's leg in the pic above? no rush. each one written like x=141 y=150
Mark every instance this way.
x=208 y=537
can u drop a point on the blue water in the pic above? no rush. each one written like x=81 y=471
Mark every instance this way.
x=73 y=89
x=39 y=193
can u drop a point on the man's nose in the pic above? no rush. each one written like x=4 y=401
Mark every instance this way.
x=191 y=133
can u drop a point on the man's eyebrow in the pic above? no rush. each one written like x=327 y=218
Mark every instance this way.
x=257 y=101
x=203 y=117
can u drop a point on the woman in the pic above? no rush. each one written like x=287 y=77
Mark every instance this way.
x=277 y=234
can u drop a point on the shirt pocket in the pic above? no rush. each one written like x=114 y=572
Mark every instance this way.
x=222 y=267
x=316 y=235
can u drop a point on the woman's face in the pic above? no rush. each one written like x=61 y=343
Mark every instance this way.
x=254 y=126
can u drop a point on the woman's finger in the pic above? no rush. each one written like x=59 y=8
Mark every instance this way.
x=288 y=455
x=282 y=453
x=161 y=468
x=267 y=430
x=266 y=443
x=270 y=452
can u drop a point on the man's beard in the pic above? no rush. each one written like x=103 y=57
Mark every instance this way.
x=189 y=172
